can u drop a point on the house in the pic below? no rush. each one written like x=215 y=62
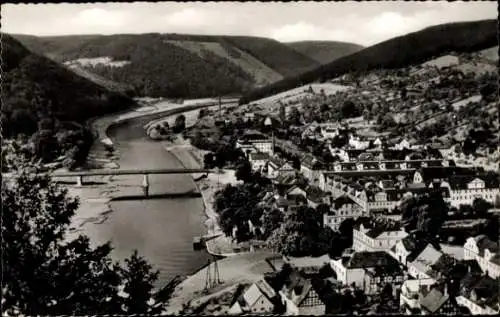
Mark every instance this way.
x=376 y=237
x=407 y=249
x=485 y=252
x=315 y=196
x=344 y=208
x=258 y=161
x=329 y=131
x=464 y=189
x=255 y=142
x=277 y=167
x=411 y=291
x=310 y=167
x=296 y=191
x=301 y=296
x=480 y=294
x=377 y=277
x=420 y=267
x=351 y=270
x=357 y=143
x=260 y=297
x=439 y=302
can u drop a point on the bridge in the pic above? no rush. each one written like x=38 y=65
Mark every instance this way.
x=145 y=173
x=79 y=175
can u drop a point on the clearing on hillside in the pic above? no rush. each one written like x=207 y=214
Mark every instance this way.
x=261 y=73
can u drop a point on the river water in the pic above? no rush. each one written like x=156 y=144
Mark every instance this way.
x=160 y=229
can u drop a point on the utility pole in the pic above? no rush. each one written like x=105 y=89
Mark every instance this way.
x=145 y=185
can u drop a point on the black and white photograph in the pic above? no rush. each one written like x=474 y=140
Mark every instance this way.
x=250 y=158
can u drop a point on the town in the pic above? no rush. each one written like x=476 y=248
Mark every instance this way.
x=382 y=194
x=250 y=158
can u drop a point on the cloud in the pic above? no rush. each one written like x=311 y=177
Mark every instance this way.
x=364 y=23
x=305 y=31
x=188 y=18
x=97 y=17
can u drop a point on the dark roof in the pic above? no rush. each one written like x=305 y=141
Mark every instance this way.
x=286 y=179
x=434 y=300
x=342 y=200
x=370 y=259
x=315 y=194
x=486 y=289
x=484 y=243
x=384 y=270
x=258 y=156
x=442 y=173
x=414 y=246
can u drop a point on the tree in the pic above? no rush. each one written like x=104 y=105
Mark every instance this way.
x=481 y=207
x=208 y=160
x=244 y=172
x=43 y=272
x=282 y=113
x=271 y=220
x=294 y=116
x=202 y=113
x=302 y=234
x=179 y=124
x=349 y=110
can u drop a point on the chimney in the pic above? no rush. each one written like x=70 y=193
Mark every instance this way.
x=445 y=289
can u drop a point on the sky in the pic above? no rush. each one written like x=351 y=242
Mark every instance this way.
x=364 y=23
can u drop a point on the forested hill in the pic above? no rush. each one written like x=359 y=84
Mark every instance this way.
x=176 y=65
x=325 y=51
x=41 y=97
x=402 y=51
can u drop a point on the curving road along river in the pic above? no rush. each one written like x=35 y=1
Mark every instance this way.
x=160 y=229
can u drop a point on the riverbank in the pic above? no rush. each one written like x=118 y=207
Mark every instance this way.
x=241 y=268
x=95 y=199
x=192 y=157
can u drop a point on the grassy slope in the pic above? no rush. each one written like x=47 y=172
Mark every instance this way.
x=413 y=48
x=325 y=51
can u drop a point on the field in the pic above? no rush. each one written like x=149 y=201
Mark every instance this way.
x=300 y=92
x=443 y=61
x=490 y=54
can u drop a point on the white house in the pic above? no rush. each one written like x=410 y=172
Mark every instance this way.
x=410 y=292
x=255 y=143
x=258 y=161
x=300 y=296
x=376 y=238
x=463 y=190
x=357 y=143
x=352 y=269
x=344 y=208
x=310 y=167
x=485 y=252
x=258 y=298
x=277 y=167
x=406 y=250
x=329 y=131
x=422 y=264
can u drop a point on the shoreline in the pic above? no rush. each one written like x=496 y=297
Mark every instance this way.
x=187 y=156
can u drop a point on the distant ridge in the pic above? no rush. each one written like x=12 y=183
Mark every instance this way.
x=325 y=51
x=176 y=65
x=401 y=51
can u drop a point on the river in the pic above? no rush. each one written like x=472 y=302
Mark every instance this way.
x=160 y=229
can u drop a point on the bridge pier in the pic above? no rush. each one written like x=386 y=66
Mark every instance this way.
x=79 y=182
x=145 y=185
